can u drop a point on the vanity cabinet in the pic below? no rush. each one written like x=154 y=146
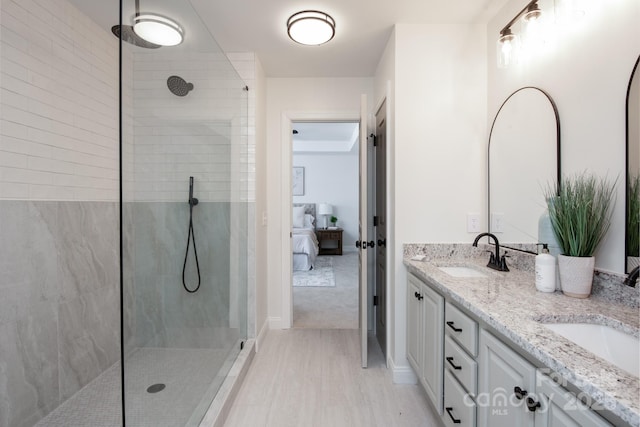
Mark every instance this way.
x=425 y=320
x=505 y=382
x=475 y=379
x=460 y=372
x=560 y=408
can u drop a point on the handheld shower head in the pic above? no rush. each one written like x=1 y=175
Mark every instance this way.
x=192 y=200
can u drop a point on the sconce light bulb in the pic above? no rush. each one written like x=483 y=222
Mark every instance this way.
x=533 y=13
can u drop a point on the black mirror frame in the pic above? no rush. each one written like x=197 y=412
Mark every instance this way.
x=558 y=162
x=626 y=166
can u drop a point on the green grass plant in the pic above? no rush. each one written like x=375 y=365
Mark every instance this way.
x=580 y=212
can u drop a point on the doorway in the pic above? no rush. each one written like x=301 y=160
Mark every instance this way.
x=325 y=187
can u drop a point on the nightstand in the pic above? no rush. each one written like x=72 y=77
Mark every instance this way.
x=334 y=240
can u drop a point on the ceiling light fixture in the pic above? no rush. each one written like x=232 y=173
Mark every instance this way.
x=158 y=29
x=311 y=27
x=508 y=42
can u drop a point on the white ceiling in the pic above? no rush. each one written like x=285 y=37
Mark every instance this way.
x=322 y=137
x=362 y=28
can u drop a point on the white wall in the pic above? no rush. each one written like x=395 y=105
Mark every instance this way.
x=59 y=118
x=586 y=72
x=437 y=147
x=333 y=178
x=321 y=97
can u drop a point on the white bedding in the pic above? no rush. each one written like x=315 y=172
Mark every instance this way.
x=304 y=245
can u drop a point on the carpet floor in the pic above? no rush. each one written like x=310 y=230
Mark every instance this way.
x=334 y=307
x=320 y=275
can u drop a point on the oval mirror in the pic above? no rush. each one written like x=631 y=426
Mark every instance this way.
x=524 y=158
x=632 y=243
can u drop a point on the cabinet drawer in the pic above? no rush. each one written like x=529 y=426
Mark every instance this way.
x=461 y=365
x=332 y=235
x=459 y=411
x=461 y=328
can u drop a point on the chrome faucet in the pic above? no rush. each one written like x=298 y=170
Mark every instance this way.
x=495 y=261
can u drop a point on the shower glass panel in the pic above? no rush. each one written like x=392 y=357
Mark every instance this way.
x=184 y=262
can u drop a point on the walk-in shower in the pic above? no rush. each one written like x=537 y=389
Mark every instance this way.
x=107 y=177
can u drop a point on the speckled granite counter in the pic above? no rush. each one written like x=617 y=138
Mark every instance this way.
x=509 y=303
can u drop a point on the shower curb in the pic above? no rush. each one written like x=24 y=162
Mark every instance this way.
x=219 y=409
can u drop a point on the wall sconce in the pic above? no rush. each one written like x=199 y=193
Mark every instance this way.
x=508 y=42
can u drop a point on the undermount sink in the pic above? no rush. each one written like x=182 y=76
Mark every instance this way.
x=614 y=346
x=461 y=271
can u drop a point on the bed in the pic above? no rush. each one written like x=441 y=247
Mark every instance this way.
x=304 y=241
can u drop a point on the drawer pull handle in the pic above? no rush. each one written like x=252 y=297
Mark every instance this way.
x=520 y=393
x=450 y=324
x=532 y=405
x=450 y=360
x=452 y=418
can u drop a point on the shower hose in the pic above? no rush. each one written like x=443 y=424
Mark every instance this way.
x=191 y=236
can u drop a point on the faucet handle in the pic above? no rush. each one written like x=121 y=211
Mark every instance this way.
x=503 y=262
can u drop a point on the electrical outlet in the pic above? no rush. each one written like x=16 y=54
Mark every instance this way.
x=497 y=222
x=473 y=223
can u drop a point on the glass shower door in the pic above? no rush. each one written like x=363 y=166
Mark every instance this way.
x=184 y=220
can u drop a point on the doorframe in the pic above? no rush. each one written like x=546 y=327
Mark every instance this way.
x=286 y=152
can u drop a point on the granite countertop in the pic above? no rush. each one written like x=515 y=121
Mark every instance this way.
x=510 y=303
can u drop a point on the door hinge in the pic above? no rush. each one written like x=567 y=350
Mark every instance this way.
x=374 y=140
x=375 y=220
x=241 y=345
x=375 y=300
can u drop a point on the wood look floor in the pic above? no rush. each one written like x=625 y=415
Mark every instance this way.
x=312 y=377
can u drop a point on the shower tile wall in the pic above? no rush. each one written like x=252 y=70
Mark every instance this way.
x=59 y=321
x=197 y=135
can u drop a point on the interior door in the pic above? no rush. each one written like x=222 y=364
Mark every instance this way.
x=381 y=228
x=362 y=232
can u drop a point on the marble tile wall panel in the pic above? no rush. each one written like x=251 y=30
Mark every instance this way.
x=160 y=231
x=59 y=305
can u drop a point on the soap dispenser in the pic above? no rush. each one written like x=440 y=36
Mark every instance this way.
x=545 y=270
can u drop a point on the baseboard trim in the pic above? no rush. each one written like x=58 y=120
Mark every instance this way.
x=275 y=323
x=401 y=374
x=262 y=334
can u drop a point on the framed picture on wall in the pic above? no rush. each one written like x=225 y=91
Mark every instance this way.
x=298 y=181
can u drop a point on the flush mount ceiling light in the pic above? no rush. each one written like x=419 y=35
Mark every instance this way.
x=158 y=29
x=311 y=27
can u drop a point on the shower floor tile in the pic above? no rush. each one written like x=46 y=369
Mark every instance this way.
x=191 y=379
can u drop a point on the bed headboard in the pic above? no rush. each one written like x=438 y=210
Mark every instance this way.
x=309 y=208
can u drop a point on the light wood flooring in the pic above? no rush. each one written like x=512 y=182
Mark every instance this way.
x=312 y=377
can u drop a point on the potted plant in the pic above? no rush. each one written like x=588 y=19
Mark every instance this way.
x=580 y=213
x=333 y=221
x=633 y=225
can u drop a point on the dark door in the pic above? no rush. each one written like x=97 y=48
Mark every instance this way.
x=381 y=227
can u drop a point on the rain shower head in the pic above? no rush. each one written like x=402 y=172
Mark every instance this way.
x=178 y=86
x=128 y=35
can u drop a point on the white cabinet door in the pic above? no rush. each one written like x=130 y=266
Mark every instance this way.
x=432 y=350
x=505 y=380
x=414 y=325
x=560 y=408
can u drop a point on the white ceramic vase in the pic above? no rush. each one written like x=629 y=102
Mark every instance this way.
x=576 y=275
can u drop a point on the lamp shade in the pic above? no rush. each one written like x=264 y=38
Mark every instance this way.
x=325 y=209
